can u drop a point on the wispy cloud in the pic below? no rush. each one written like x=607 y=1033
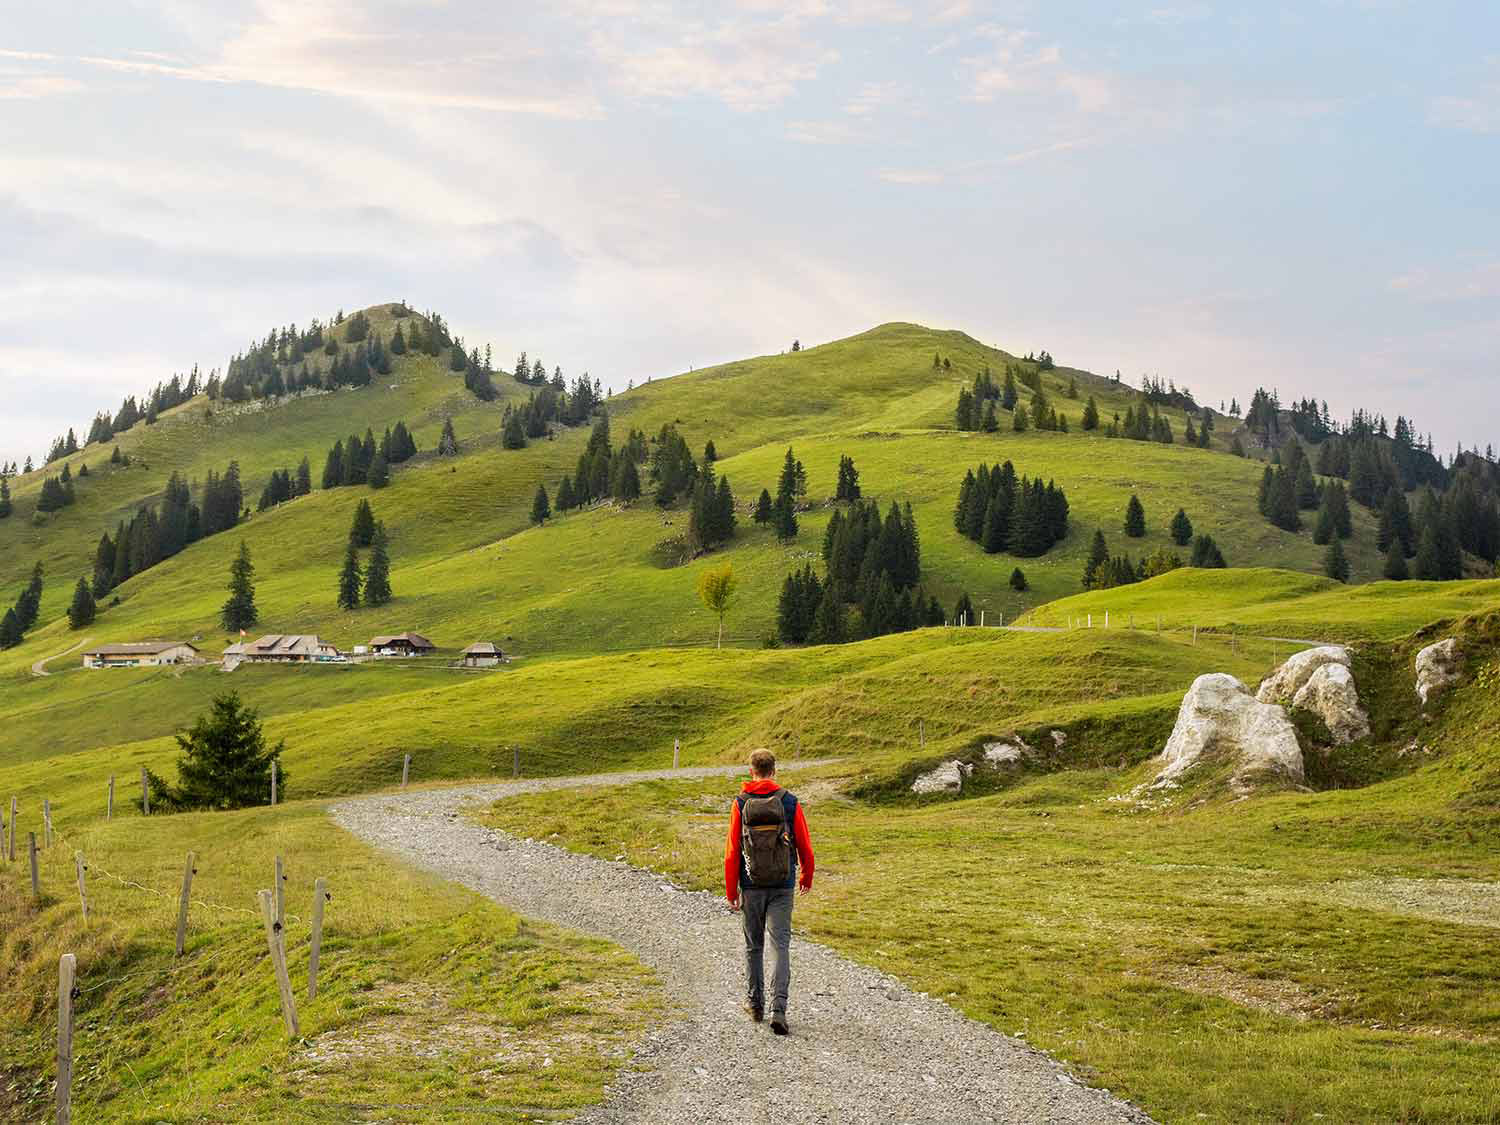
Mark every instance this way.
x=909 y=176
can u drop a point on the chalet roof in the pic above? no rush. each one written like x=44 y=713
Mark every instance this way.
x=482 y=648
x=274 y=643
x=416 y=640
x=137 y=648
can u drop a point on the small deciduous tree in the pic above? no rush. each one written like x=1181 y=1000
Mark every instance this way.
x=716 y=588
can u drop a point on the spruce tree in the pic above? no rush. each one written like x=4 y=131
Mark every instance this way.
x=1090 y=414
x=1428 y=564
x=1019 y=421
x=829 y=626
x=1135 y=518
x=1206 y=554
x=11 y=633
x=304 y=478
x=848 y=486
x=991 y=421
x=627 y=483
x=380 y=474
x=448 y=443
x=784 y=516
x=378 y=573
x=349 y=578
x=541 y=511
x=81 y=612
x=1098 y=557
x=565 y=499
x=5 y=504
x=362 y=530
x=1009 y=394
x=763 y=512
x=1182 y=529
x=1335 y=564
x=333 y=468
x=1395 y=562
x=1324 y=531
x=226 y=762
x=963 y=611
x=1018 y=580
x=239 y=611
x=964 y=414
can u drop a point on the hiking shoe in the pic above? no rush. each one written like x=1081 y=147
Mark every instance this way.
x=778 y=1023
x=755 y=1013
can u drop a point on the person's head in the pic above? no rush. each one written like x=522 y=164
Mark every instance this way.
x=762 y=764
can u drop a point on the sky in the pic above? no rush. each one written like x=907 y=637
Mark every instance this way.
x=1301 y=196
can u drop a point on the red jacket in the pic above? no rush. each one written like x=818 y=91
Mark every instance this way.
x=760 y=788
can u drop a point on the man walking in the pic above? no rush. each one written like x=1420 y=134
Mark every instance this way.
x=767 y=841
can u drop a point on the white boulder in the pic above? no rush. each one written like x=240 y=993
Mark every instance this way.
x=946 y=778
x=1330 y=694
x=1007 y=754
x=1282 y=685
x=1438 y=668
x=1220 y=717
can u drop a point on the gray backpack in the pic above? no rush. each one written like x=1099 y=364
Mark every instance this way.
x=766 y=838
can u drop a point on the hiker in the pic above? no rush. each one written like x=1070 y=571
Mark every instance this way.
x=767 y=841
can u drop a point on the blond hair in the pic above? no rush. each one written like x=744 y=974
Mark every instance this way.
x=762 y=763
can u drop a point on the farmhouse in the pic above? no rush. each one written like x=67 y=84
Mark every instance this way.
x=140 y=654
x=285 y=648
x=482 y=654
x=402 y=644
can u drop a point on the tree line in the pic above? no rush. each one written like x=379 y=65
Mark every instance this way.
x=19 y=619
x=1022 y=517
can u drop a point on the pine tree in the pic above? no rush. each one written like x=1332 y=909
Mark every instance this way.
x=304 y=478
x=1206 y=554
x=378 y=573
x=362 y=530
x=1335 y=564
x=81 y=612
x=239 y=611
x=1019 y=422
x=829 y=626
x=349 y=577
x=1009 y=395
x=1182 y=529
x=541 y=511
x=1135 y=518
x=566 y=501
x=763 y=512
x=1324 y=530
x=380 y=474
x=225 y=763
x=784 y=517
x=991 y=422
x=11 y=633
x=964 y=414
x=1018 y=580
x=333 y=468
x=448 y=443
x=1428 y=564
x=1090 y=414
x=848 y=486
x=1098 y=556
x=626 y=485
x=1395 y=562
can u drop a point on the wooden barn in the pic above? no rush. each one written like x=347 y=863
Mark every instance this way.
x=402 y=644
x=140 y=654
x=483 y=654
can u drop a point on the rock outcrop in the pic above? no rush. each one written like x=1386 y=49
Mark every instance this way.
x=1220 y=717
x=1319 y=680
x=1007 y=754
x=946 y=778
x=1438 y=668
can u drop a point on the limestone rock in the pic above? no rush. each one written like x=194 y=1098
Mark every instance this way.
x=1006 y=754
x=946 y=778
x=1282 y=685
x=1219 y=716
x=1438 y=668
x=1330 y=694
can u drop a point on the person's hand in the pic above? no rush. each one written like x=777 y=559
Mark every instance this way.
x=803 y=888
x=734 y=905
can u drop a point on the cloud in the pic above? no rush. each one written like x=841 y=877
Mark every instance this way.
x=909 y=176
x=32 y=87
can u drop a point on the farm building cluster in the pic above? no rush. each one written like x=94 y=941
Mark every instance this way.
x=283 y=648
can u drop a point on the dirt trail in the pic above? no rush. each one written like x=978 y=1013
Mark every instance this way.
x=40 y=667
x=864 y=1047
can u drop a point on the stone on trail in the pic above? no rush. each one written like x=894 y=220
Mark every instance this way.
x=1220 y=717
x=1438 y=667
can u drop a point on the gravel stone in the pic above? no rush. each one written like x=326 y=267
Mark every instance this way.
x=852 y=1057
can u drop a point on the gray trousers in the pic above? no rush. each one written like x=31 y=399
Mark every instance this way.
x=762 y=910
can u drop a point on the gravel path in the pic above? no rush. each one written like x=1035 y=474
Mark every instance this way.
x=863 y=1048
x=40 y=667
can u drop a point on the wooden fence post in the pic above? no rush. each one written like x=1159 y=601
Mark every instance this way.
x=36 y=881
x=515 y=769
x=182 y=903
x=145 y=794
x=280 y=895
x=67 y=970
x=676 y=752
x=405 y=770
x=12 y=848
x=320 y=896
x=46 y=823
x=83 y=896
x=273 y=784
x=109 y=809
x=981 y=619
x=278 y=962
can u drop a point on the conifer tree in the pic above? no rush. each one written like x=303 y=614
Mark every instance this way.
x=11 y=633
x=1135 y=518
x=566 y=501
x=349 y=578
x=763 y=511
x=1018 y=580
x=333 y=468
x=304 y=478
x=963 y=611
x=1335 y=564
x=784 y=517
x=1324 y=531
x=1009 y=394
x=380 y=474
x=1395 y=562
x=626 y=485
x=964 y=414
x=1019 y=422
x=362 y=530
x=378 y=573
x=829 y=626
x=1206 y=554
x=991 y=421
x=848 y=486
x=81 y=612
x=1098 y=556
x=448 y=443
x=1182 y=529
x=225 y=763
x=239 y=611
x=1090 y=414
x=5 y=505
x=541 y=511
